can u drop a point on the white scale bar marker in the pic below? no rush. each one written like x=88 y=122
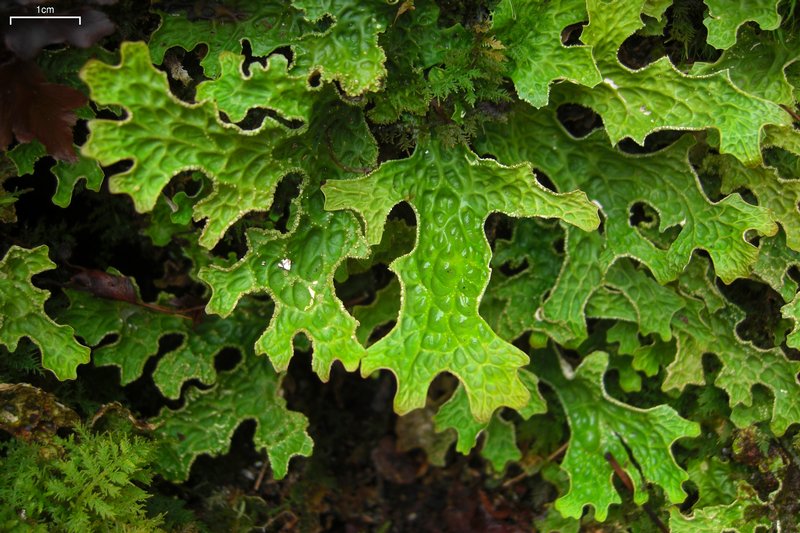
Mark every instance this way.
x=11 y=19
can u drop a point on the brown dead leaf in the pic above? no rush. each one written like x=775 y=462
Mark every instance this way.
x=31 y=108
x=106 y=285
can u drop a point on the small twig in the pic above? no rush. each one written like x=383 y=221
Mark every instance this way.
x=261 y=475
x=516 y=479
x=561 y=449
x=291 y=520
x=621 y=473
x=356 y=300
x=162 y=309
x=792 y=112
x=626 y=480
x=656 y=520
x=553 y=456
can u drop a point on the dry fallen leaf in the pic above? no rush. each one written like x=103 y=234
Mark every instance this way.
x=31 y=108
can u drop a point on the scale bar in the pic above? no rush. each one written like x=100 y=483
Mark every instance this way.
x=11 y=19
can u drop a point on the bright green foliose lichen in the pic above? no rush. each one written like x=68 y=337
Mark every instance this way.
x=22 y=313
x=439 y=328
x=561 y=275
